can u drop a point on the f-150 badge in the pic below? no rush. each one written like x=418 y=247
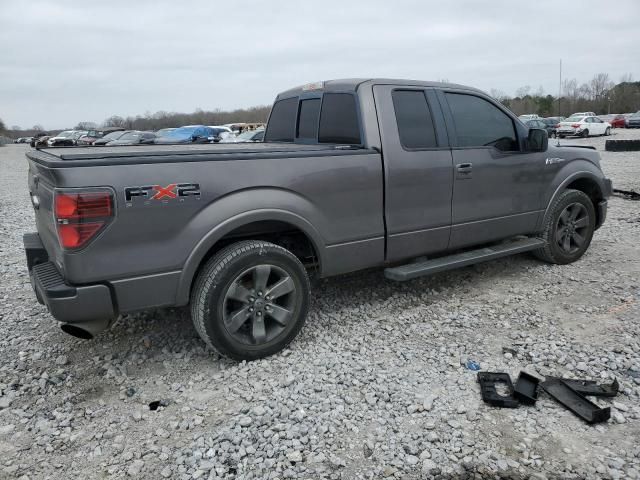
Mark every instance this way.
x=553 y=161
x=157 y=194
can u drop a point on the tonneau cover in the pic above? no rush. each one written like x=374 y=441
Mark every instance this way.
x=62 y=157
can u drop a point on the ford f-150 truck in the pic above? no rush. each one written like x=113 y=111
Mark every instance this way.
x=410 y=176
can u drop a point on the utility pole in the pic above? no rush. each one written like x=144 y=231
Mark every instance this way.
x=560 y=88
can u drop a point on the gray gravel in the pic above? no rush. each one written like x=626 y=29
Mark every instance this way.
x=372 y=388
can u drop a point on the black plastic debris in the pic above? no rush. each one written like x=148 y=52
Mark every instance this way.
x=572 y=400
x=591 y=387
x=526 y=389
x=488 y=383
x=628 y=194
x=158 y=403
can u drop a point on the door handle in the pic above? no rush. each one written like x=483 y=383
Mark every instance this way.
x=464 y=167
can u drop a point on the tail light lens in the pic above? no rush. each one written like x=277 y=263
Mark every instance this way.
x=81 y=215
x=576 y=125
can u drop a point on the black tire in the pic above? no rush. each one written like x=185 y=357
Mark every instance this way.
x=607 y=132
x=553 y=135
x=556 y=231
x=584 y=133
x=216 y=309
x=561 y=136
x=622 y=145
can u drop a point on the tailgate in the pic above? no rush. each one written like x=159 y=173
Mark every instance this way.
x=41 y=191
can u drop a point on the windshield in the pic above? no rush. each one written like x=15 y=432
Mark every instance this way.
x=246 y=135
x=164 y=132
x=65 y=134
x=574 y=118
x=114 y=135
x=181 y=132
x=636 y=115
x=130 y=136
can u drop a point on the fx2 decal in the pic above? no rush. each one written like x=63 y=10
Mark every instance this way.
x=157 y=194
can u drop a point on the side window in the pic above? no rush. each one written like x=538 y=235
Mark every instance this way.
x=479 y=123
x=413 y=116
x=282 y=122
x=308 y=119
x=339 y=119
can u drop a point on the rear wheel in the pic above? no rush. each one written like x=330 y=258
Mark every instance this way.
x=607 y=132
x=584 y=134
x=250 y=300
x=568 y=228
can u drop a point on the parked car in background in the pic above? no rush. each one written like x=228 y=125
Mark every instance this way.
x=583 y=126
x=164 y=131
x=23 y=140
x=616 y=121
x=109 y=137
x=95 y=134
x=39 y=139
x=529 y=116
x=248 y=136
x=633 y=121
x=134 y=137
x=583 y=114
x=66 y=138
x=549 y=127
x=189 y=134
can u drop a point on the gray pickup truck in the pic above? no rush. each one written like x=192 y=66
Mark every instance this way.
x=414 y=177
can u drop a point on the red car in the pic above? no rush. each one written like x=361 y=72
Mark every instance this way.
x=617 y=121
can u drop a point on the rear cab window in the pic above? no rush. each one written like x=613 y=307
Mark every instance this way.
x=329 y=117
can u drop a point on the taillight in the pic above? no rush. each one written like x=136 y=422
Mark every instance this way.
x=81 y=215
x=557 y=126
x=576 y=125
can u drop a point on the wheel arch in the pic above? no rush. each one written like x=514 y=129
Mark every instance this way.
x=262 y=224
x=585 y=181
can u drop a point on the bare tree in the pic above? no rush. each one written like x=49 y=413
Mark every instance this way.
x=85 y=126
x=38 y=128
x=114 y=121
x=2 y=127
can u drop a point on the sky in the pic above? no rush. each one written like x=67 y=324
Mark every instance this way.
x=66 y=61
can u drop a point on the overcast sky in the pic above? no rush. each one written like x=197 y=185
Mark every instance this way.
x=62 y=62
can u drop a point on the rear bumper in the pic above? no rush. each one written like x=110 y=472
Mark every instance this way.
x=67 y=303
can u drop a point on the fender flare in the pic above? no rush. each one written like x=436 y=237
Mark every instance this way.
x=563 y=185
x=219 y=231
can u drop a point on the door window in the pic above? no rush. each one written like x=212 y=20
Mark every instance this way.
x=413 y=116
x=479 y=123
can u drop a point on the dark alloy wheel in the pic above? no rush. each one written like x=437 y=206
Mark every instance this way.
x=250 y=300
x=259 y=304
x=568 y=228
x=572 y=228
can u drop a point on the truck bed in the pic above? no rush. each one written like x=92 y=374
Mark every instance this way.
x=61 y=157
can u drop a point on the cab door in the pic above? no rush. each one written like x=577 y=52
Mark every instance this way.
x=498 y=187
x=418 y=171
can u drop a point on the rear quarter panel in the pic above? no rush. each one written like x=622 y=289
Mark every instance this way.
x=339 y=198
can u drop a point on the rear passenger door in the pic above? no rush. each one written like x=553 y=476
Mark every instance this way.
x=497 y=188
x=418 y=171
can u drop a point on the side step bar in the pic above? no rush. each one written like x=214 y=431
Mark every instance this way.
x=457 y=260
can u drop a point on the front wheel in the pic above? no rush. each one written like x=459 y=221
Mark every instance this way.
x=568 y=228
x=250 y=300
x=607 y=132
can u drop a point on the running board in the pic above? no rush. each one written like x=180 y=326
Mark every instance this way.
x=450 y=262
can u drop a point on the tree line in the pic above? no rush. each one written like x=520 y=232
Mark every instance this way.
x=600 y=95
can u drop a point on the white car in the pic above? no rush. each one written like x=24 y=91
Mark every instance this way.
x=531 y=116
x=583 y=114
x=583 y=126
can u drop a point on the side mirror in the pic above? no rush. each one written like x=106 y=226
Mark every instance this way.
x=538 y=140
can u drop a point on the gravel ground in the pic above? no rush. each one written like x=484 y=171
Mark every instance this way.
x=372 y=388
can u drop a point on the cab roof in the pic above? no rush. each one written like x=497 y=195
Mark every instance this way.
x=353 y=84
